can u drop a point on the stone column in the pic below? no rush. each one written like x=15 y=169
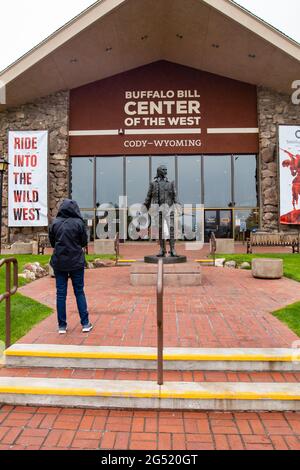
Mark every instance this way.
x=49 y=113
x=273 y=109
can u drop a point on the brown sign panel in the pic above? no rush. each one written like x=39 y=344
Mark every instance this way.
x=163 y=108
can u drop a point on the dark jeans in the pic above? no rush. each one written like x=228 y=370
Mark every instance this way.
x=77 y=278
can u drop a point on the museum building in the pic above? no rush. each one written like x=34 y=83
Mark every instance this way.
x=200 y=86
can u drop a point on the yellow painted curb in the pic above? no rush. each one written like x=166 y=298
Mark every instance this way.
x=204 y=261
x=76 y=392
x=154 y=394
x=127 y=261
x=80 y=355
x=228 y=396
x=150 y=357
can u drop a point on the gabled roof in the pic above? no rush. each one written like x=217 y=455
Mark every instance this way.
x=113 y=36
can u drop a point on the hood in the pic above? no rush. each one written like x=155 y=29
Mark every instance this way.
x=69 y=209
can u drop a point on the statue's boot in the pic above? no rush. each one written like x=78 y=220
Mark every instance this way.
x=163 y=250
x=172 y=249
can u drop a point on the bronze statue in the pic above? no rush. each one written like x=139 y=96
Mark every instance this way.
x=162 y=192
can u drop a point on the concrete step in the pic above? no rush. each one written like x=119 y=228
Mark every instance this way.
x=148 y=395
x=179 y=359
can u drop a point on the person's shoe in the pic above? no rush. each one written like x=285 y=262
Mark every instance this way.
x=87 y=328
x=62 y=330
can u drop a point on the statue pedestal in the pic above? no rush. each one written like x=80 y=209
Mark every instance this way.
x=175 y=275
x=166 y=260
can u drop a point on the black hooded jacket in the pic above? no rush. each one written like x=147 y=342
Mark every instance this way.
x=68 y=237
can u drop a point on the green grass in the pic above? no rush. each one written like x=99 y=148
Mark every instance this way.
x=291 y=262
x=289 y=315
x=25 y=312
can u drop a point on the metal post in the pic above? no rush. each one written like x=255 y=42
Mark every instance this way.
x=213 y=247
x=160 y=312
x=10 y=291
x=8 y=306
x=117 y=248
x=1 y=197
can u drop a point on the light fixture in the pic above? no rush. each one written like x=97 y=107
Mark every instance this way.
x=216 y=46
x=74 y=60
x=252 y=56
x=108 y=49
x=143 y=38
x=179 y=36
x=3 y=164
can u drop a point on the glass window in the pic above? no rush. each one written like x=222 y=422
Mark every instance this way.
x=169 y=162
x=245 y=180
x=109 y=178
x=245 y=222
x=82 y=181
x=137 y=175
x=217 y=181
x=189 y=179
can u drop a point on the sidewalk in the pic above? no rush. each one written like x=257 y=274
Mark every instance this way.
x=230 y=309
x=61 y=429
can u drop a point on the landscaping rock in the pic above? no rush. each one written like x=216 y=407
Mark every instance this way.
x=103 y=263
x=230 y=264
x=245 y=265
x=30 y=267
x=41 y=272
x=219 y=263
x=90 y=266
x=36 y=269
x=109 y=263
x=98 y=263
x=29 y=275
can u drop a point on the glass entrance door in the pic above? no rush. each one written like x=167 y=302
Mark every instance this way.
x=218 y=222
x=225 y=184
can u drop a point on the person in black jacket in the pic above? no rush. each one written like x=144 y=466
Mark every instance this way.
x=68 y=237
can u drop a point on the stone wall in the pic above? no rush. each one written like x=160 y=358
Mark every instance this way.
x=273 y=109
x=50 y=113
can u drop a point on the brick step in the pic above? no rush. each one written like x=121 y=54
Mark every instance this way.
x=151 y=375
x=141 y=358
x=216 y=396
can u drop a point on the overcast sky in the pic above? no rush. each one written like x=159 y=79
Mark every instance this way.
x=24 y=23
